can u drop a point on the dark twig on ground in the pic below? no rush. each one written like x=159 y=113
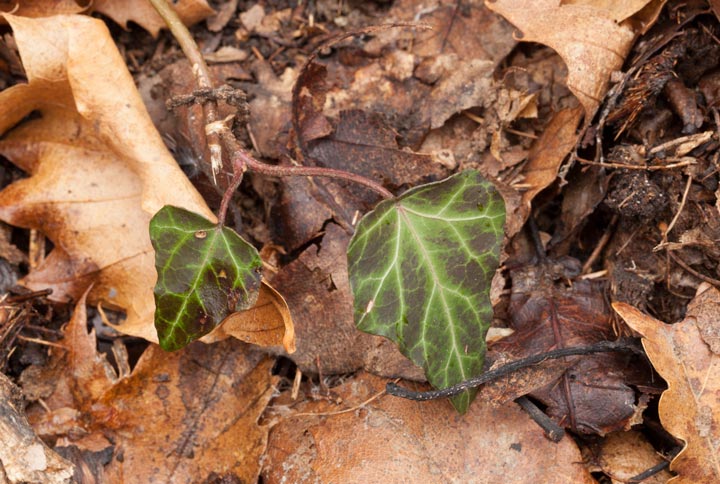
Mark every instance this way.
x=602 y=347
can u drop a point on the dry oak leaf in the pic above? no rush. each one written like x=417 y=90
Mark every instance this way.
x=143 y=13
x=178 y=417
x=690 y=407
x=98 y=168
x=585 y=34
x=395 y=440
x=182 y=416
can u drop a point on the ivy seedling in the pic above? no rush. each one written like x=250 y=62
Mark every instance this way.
x=420 y=268
x=205 y=272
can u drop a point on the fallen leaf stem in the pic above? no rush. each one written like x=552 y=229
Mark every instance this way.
x=201 y=73
x=602 y=347
x=227 y=196
x=243 y=160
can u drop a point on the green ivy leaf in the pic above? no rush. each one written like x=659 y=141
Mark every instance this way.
x=420 y=268
x=205 y=272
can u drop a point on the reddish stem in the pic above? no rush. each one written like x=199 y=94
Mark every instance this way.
x=228 y=194
x=244 y=159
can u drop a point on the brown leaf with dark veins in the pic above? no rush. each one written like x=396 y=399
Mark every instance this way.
x=464 y=28
x=187 y=414
x=683 y=354
x=592 y=395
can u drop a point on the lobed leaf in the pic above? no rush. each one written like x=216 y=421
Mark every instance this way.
x=420 y=268
x=205 y=272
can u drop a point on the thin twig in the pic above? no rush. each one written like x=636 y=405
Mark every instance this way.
x=600 y=246
x=535 y=237
x=662 y=244
x=340 y=412
x=684 y=162
x=243 y=158
x=602 y=347
x=41 y=342
x=649 y=472
x=594 y=275
x=678 y=141
x=552 y=430
x=296 y=384
x=447 y=32
x=692 y=271
x=26 y=297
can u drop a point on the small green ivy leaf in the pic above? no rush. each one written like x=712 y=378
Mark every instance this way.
x=420 y=269
x=205 y=272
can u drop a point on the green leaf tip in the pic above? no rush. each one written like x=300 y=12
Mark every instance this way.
x=205 y=272
x=420 y=268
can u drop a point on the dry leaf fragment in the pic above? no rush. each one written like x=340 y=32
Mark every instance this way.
x=548 y=152
x=618 y=10
x=225 y=13
x=90 y=374
x=227 y=54
x=544 y=160
x=40 y=8
x=143 y=13
x=395 y=440
x=98 y=167
x=268 y=323
x=690 y=407
x=586 y=35
x=468 y=30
